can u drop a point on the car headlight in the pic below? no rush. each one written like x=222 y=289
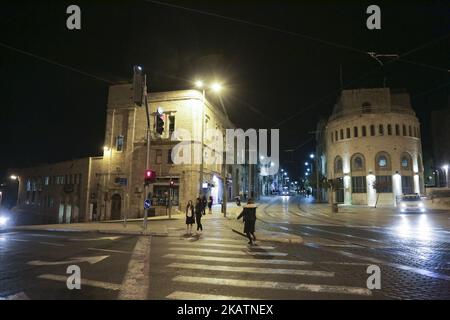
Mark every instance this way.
x=403 y=205
x=420 y=204
x=3 y=221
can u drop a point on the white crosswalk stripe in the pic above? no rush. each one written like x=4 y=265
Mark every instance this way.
x=252 y=269
x=230 y=256
x=232 y=252
x=236 y=260
x=225 y=245
x=275 y=285
x=185 y=295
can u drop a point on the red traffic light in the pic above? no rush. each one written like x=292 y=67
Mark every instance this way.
x=172 y=183
x=150 y=176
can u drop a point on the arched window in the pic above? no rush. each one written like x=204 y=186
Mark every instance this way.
x=382 y=161
x=357 y=162
x=338 y=165
x=406 y=161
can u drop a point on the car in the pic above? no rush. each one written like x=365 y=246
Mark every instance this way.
x=411 y=203
x=284 y=193
x=4 y=220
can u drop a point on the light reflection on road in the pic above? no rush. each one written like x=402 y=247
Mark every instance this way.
x=413 y=227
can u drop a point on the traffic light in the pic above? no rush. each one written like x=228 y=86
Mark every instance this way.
x=150 y=176
x=159 y=123
x=172 y=184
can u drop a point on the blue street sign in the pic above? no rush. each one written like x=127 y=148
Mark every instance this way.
x=147 y=204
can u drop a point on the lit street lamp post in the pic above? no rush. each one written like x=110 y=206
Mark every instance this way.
x=215 y=87
x=445 y=167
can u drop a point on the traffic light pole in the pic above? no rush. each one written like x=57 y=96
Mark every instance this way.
x=147 y=166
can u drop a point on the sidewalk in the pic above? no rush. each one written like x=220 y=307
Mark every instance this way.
x=163 y=226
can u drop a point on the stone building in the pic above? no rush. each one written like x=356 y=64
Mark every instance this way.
x=112 y=186
x=373 y=147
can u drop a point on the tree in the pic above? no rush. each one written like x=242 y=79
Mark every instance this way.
x=378 y=186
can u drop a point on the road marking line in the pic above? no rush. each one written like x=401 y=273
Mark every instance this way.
x=226 y=245
x=95 y=239
x=52 y=244
x=109 y=250
x=84 y=282
x=254 y=270
x=240 y=253
x=184 y=295
x=74 y=260
x=346 y=263
x=136 y=281
x=237 y=260
x=222 y=240
x=275 y=285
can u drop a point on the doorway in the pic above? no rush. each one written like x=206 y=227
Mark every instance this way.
x=116 y=207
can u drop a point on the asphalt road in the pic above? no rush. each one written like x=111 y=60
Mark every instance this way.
x=411 y=251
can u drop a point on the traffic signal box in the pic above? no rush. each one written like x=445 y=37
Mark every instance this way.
x=150 y=177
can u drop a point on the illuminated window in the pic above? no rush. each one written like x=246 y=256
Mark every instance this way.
x=382 y=161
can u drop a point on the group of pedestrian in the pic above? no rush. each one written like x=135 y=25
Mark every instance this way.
x=195 y=212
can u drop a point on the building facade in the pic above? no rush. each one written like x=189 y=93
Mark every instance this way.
x=373 y=147
x=111 y=187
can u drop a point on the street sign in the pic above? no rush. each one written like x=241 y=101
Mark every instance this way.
x=121 y=181
x=147 y=204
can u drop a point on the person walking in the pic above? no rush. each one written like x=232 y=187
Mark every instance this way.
x=190 y=217
x=210 y=203
x=249 y=216
x=198 y=213
x=204 y=204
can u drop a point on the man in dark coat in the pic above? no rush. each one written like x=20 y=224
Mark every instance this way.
x=249 y=216
x=198 y=209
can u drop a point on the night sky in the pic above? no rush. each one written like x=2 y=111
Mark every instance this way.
x=50 y=112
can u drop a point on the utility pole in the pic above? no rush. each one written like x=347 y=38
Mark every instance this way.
x=147 y=166
x=202 y=142
x=224 y=181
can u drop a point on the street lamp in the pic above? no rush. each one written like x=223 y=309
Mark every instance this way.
x=216 y=88
x=311 y=156
x=445 y=168
x=306 y=163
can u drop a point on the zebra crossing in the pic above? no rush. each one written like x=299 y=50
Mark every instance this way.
x=213 y=268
